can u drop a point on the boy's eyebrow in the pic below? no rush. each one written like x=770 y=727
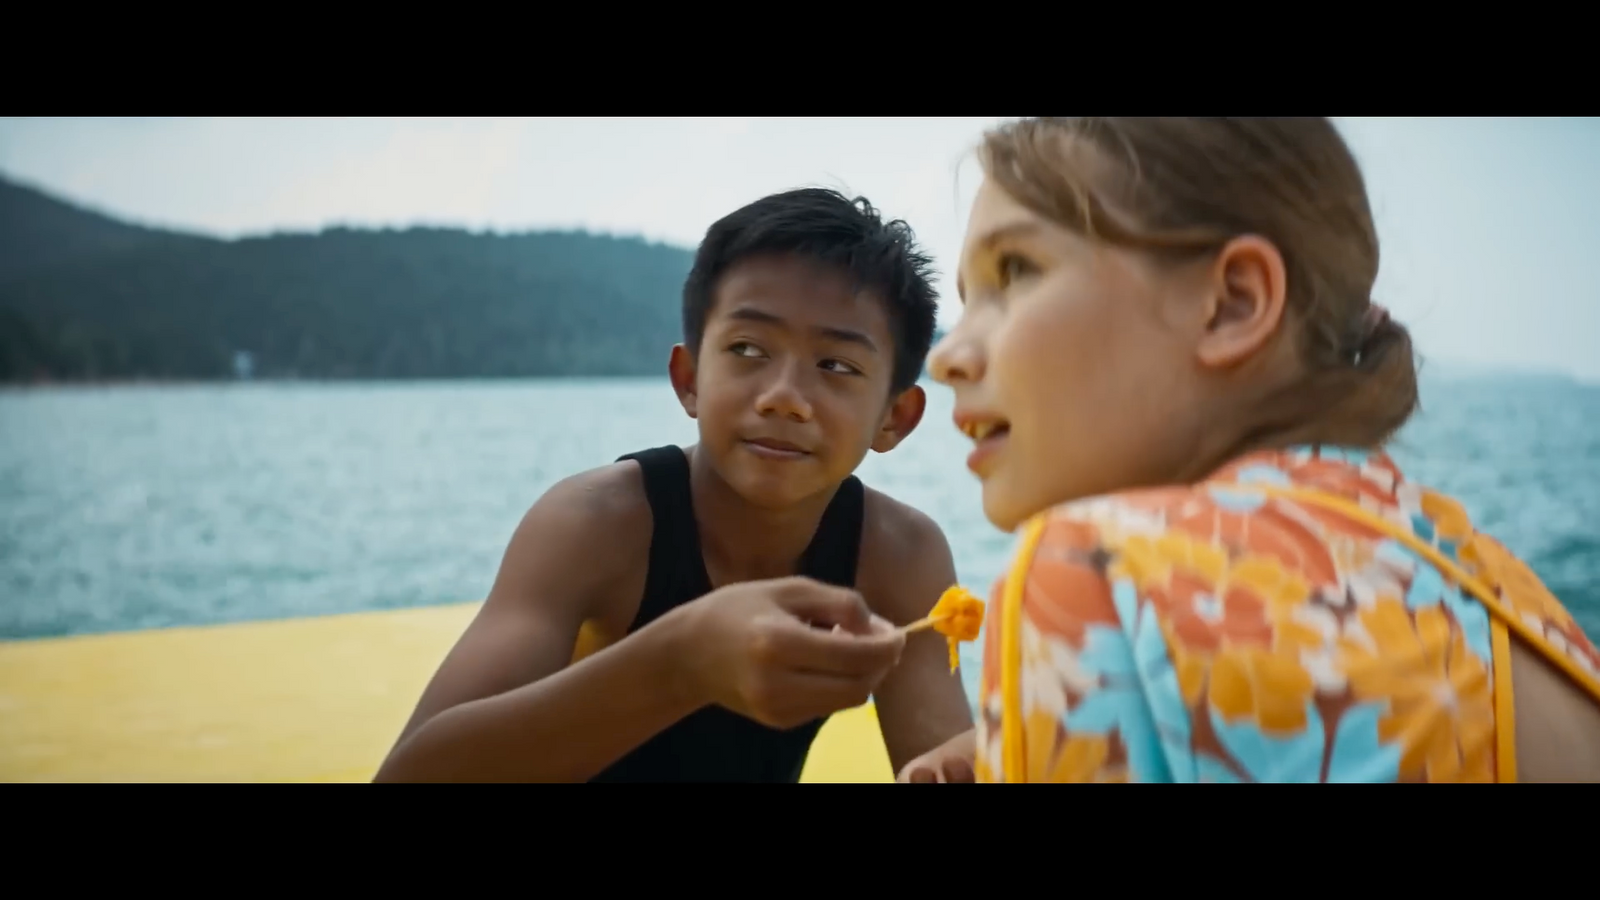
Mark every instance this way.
x=750 y=314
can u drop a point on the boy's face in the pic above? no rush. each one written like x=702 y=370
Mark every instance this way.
x=791 y=384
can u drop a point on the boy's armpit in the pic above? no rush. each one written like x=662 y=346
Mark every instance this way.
x=579 y=554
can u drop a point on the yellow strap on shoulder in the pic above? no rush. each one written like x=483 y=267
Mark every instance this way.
x=1445 y=565
x=1013 y=750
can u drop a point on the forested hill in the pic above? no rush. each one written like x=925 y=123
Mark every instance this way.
x=83 y=296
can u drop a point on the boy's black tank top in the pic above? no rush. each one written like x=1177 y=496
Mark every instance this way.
x=716 y=744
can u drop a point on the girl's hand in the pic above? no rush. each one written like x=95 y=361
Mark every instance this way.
x=948 y=763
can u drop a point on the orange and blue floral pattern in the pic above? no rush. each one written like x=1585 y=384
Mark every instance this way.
x=1209 y=634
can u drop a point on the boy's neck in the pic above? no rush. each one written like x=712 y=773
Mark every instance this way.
x=741 y=542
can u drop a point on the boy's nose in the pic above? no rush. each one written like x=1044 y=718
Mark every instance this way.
x=785 y=396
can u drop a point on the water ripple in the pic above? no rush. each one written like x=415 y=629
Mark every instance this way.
x=143 y=507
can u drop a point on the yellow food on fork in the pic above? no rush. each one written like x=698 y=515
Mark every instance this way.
x=958 y=616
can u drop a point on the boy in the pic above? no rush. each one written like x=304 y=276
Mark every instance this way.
x=646 y=624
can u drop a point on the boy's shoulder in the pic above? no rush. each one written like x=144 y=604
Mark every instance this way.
x=599 y=518
x=606 y=497
x=905 y=558
x=895 y=528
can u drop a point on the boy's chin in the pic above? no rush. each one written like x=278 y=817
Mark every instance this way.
x=769 y=485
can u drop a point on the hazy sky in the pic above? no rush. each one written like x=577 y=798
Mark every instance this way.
x=1486 y=225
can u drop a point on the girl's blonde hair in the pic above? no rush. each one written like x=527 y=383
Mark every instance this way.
x=1177 y=187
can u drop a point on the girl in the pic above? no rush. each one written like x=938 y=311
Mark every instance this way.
x=1179 y=390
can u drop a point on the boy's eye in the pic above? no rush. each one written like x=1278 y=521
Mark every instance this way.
x=743 y=348
x=843 y=368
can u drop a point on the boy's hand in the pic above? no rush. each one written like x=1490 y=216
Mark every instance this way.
x=948 y=763
x=786 y=651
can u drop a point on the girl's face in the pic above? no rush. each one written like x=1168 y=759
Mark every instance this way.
x=1080 y=368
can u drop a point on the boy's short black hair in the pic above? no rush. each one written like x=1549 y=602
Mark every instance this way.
x=823 y=225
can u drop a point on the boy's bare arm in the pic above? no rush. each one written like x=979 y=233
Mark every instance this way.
x=906 y=566
x=504 y=705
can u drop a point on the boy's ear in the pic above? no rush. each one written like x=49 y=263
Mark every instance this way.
x=901 y=418
x=681 y=369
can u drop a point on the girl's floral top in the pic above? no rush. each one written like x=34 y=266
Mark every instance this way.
x=1200 y=634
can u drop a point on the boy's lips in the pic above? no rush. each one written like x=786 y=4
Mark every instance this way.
x=773 y=448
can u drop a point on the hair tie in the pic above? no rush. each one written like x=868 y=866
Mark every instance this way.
x=1372 y=321
x=1376 y=316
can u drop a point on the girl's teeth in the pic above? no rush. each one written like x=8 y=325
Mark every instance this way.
x=982 y=430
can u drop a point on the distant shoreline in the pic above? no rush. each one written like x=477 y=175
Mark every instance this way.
x=1438 y=374
x=109 y=383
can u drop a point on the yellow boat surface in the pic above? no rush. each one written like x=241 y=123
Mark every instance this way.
x=298 y=700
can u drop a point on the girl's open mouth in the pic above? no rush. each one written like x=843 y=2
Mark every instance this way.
x=990 y=436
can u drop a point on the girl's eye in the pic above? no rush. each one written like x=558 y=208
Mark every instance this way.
x=1012 y=267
